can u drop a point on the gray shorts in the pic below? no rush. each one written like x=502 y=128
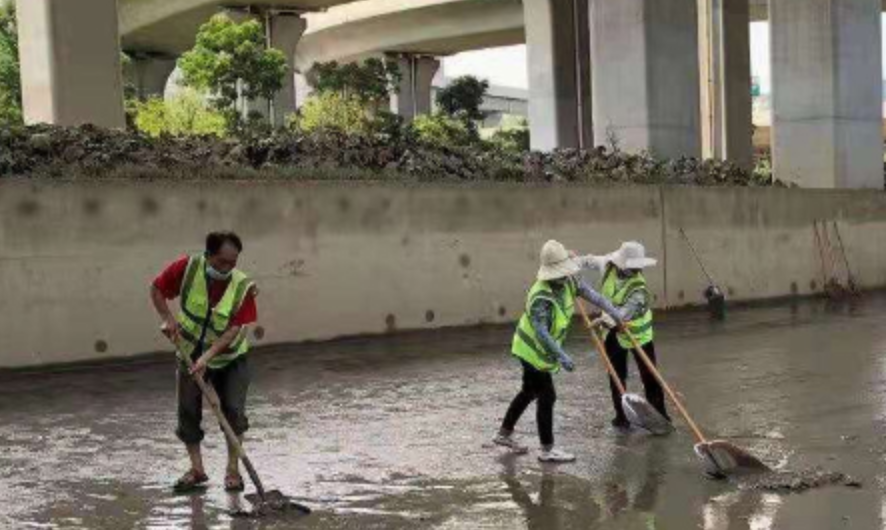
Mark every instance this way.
x=231 y=383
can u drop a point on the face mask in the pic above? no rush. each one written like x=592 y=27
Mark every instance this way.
x=625 y=273
x=216 y=275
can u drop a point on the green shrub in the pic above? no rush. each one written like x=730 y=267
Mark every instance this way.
x=513 y=136
x=332 y=111
x=440 y=130
x=351 y=115
x=186 y=114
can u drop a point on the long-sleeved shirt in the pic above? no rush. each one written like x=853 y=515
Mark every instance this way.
x=541 y=315
x=635 y=305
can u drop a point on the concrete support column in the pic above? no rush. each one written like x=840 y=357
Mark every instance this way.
x=285 y=31
x=827 y=92
x=551 y=27
x=414 y=95
x=303 y=89
x=70 y=62
x=149 y=74
x=585 y=100
x=644 y=55
x=726 y=102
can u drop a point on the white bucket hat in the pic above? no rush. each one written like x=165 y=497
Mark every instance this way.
x=632 y=255
x=556 y=262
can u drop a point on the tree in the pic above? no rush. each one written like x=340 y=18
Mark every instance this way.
x=371 y=82
x=10 y=76
x=230 y=61
x=463 y=98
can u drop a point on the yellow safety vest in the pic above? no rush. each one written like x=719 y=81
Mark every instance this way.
x=618 y=292
x=201 y=325
x=526 y=344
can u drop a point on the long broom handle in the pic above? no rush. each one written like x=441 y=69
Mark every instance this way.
x=685 y=413
x=819 y=245
x=830 y=249
x=843 y=251
x=601 y=349
x=697 y=258
x=215 y=405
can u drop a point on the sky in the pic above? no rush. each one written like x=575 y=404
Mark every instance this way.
x=507 y=66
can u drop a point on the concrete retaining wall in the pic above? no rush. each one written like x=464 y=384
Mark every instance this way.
x=338 y=259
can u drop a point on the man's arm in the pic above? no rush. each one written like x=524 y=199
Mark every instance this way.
x=600 y=301
x=217 y=347
x=635 y=306
x=540 y=318
x=247 y=314
x=170 y=324
x=165 y=287
x=593 y=263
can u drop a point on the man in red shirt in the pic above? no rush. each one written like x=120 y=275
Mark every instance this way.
x=212 y=294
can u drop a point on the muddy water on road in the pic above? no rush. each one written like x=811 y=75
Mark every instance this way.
x=392 y=433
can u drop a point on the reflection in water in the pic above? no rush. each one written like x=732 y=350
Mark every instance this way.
x=565 y=501
x=742 y=509
x=198 y=513
x=550 y=510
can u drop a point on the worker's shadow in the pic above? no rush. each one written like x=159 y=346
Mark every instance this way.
x=237 y=508
x=560 y=503
x=633 y=479
x=565 y=501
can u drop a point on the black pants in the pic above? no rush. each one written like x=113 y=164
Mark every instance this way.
x=619 y=358
x=537 y=385
x=231 y=383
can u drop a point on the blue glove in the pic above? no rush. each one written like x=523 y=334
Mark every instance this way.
x=566 y=362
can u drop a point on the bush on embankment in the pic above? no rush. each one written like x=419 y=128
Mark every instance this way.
x=91 y=152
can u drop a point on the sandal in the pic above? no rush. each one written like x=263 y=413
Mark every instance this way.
x=190 y=481
x=234 y=483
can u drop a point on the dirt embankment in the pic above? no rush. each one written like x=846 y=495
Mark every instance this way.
x=91 y=152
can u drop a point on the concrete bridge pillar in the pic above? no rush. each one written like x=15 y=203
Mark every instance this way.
x=149 y=74
x=644 y=56
x=285 y=32
x=827 y=92
x=727 y=104
x=70 y=62
x=553 y=30
x=414 y=95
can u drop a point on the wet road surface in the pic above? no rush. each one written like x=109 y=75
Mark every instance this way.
x=391 y=433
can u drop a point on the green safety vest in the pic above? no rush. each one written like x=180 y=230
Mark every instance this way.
x=526 y=344
x=618 y=292
x=200 y=323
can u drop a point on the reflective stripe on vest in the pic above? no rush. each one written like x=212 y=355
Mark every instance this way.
x=199 y=321
x=641 y=327
x=526 y=344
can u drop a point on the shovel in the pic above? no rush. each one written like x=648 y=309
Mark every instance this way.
x=264 y=502
x=639 y=411
x=719 y=457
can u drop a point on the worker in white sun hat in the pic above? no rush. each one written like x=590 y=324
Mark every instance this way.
x=625 y=286
x=538 y=345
